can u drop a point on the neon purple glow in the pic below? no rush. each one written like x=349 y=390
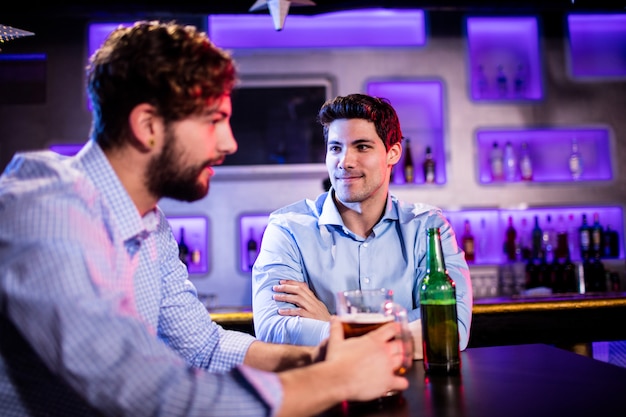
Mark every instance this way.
x=419 y=105
x=98 y=32
x=251 y=226
x=597 y=45
x=196 y=238
x=511 y=43
x=369 y=28
x=67 y=149
x=22 y=57
x=549 y=151
x=489 y=227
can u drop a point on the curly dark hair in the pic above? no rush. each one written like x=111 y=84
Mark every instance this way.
x=361 y=106
x=175 y=68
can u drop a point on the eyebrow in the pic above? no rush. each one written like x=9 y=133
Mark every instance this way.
x=355 y=142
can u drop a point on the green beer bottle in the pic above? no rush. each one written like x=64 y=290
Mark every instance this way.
x=440 y=328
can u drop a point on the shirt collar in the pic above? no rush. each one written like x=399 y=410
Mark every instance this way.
x=100 y=172
x=330 y=214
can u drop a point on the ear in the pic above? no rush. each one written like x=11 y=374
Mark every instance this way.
x=145 y=126
x=394 y=153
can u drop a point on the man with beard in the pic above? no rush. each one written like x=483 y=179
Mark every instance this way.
x=97 y=315
x=354 y=236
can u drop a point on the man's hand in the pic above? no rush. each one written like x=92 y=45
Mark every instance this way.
x=368 y=362
x=299 y=293
x=416 y=331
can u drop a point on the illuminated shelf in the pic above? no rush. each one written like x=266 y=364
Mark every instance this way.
x=549 y=151
x=504 y=58
x=597 y=45
x=420 y=108
x=488 y=227
x=197 y=239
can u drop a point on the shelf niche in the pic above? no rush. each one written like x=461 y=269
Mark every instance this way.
x=549 y=151
x=488 y=226
x=251 y=228
x=420 y=108
x=196 y=238
x=597 y=45
x=504 y=47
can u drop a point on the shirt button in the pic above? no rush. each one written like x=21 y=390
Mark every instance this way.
x=365 y=245
x=366 y=280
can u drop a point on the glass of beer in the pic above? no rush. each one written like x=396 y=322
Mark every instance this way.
x=362 y=311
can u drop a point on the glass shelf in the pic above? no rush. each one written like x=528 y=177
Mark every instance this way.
x=549 y=151
x=504 y=58
x=420 y=108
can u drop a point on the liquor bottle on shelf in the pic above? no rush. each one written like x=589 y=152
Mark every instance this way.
x=549 y=239
x=510 y=241
x=533 y=273
x=252 y=247
x=482 y=239
x=561 y=250
x=595 y=275
x=545 y=273
x=195 y=256
x=408 y=167
x=525 y=163
x=597 y=237
x=524 y=240
x=437 y=294
x=183 y=249
x=429 y=167
x=467 y=242
x=496 y=162
x=501 y=82
x=537 y=240
x=575 y=161
x=573 y=236
x=510 y=162
x=570 y=280
x=584 y=239
x=611 y=243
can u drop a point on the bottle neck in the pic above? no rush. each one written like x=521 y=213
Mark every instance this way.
x=434 y=255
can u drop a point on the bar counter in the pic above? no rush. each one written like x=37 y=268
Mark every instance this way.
x=523 y=380
x=568 y=320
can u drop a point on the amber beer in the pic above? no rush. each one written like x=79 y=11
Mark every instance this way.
x=361 y=323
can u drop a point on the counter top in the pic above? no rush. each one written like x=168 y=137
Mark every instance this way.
x=564 y=320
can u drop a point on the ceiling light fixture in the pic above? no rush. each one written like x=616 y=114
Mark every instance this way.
x=279 y=9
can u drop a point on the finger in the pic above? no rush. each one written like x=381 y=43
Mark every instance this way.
x=291 y=312
x=387 y=332
x=336 y=331
x=292 y=282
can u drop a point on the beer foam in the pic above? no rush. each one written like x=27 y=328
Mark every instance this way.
x=367 y=318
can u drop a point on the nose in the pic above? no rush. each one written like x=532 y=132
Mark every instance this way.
x=227 y=143
x=346 y=160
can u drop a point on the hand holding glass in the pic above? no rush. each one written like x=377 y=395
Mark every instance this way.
x=362 y=311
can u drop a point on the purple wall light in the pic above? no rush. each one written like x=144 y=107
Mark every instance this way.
x=504 y=58
x=367 y=28
x=597 y=45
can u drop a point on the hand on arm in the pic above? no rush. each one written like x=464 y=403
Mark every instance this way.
x=299 y=294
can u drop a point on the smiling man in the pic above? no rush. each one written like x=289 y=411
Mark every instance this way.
x=355 y=236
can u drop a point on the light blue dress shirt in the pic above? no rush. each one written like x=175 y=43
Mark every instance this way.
x=308 y=242
x=97 y=315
